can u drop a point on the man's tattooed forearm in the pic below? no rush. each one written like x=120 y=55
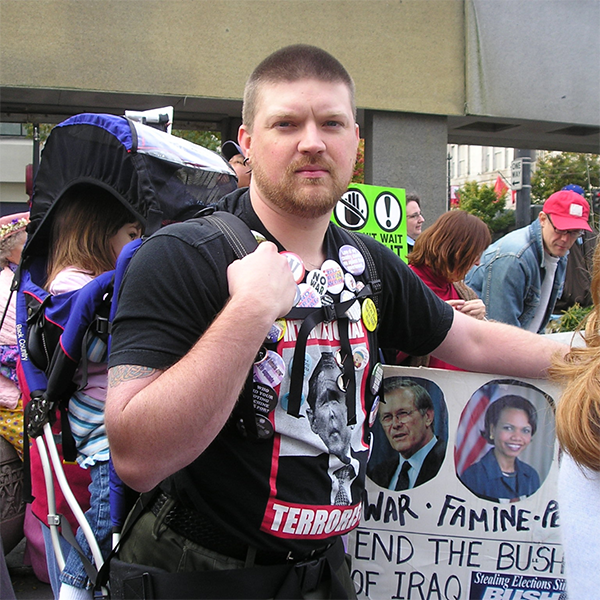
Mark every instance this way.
x=123 y=373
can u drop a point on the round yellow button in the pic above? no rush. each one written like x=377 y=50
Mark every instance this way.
x=369 y=314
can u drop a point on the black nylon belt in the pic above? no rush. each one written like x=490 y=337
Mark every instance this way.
x=201 y=530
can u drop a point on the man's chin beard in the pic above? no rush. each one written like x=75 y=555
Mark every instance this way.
x=304 y=200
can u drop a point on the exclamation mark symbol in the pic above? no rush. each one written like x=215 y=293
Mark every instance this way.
x=388 y=208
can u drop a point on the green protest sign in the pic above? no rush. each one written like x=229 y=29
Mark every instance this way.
x=376 y=211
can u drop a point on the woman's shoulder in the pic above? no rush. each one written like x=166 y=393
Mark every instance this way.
x=526 y=469
x=484 y=464
x=69 y=279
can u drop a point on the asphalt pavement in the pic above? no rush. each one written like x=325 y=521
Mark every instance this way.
x=25 y=584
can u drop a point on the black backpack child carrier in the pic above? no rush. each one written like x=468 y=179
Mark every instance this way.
x=160 y=179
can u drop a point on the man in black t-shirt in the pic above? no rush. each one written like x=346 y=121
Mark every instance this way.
x=243 y=480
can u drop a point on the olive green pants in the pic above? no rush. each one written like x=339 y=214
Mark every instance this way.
x=154 y=545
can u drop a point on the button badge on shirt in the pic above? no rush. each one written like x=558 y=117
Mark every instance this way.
x=296 y=265
x=352 y=260
x=335 y=276
x=369 y=314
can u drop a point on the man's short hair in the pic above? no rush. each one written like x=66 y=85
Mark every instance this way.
x=327 y=363
x=423 y=401
x=292 y=63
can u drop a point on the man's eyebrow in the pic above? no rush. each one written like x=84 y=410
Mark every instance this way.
x=282 y=115
x=292 y=114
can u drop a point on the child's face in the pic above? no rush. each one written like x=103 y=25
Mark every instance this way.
x=127 y=233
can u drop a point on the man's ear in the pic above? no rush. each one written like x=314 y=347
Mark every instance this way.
x=245 y=139
x=429 y=416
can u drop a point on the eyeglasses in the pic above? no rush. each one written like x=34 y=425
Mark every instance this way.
x=414 y=216
x=402 y=416
x=572 y=233
x=242 y=163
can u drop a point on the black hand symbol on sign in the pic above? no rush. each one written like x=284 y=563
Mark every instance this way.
x=353 y=213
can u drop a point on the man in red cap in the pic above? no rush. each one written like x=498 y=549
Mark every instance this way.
x=521 y=275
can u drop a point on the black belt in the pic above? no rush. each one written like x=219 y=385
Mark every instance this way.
x=201 y=530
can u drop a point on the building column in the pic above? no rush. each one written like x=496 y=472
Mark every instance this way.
x=409 y=151
x=229 y=128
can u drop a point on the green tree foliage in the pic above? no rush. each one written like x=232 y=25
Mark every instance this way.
x=44 y=131
x=208 y=139
x=481 y=201
x=359 y=168
x=555 y=171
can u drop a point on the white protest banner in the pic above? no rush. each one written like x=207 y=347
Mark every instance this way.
x=479 y=519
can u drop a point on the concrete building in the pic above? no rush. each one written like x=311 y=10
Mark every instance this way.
x=16 y=152
x=495 y=73
x=478 y=163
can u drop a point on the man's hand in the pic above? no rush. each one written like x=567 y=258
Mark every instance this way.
x=199 y=391
x=264 y=276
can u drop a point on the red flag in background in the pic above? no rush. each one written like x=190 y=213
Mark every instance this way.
x=500 y=187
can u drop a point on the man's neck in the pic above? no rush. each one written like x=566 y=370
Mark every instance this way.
x=424 y=449
x=303 y=236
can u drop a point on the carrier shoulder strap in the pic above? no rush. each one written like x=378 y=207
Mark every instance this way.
x=238 y=234
x=242 y=241
x=374 y=280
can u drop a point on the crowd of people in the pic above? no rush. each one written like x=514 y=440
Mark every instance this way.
x=180 y=404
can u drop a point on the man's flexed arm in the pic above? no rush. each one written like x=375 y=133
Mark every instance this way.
x=160 y=421
x=489 y=347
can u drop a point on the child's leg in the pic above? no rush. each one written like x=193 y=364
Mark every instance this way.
x=98 y=517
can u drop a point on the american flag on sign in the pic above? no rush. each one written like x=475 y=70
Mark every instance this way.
x=470 y=446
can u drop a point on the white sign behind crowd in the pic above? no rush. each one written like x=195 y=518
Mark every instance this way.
x=440 y=540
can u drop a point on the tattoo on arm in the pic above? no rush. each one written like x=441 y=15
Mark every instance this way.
x=123 y=373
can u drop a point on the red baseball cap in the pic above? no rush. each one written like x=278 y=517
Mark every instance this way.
x=568 y=210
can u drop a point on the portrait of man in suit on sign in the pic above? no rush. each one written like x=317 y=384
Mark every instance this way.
x=407 y=417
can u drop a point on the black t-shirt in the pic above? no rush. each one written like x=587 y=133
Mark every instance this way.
x=302 y=484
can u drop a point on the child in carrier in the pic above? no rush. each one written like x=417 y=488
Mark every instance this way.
x=90 y=229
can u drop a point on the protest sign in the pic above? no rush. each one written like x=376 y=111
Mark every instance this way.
x=379 y=212
x=467 y=526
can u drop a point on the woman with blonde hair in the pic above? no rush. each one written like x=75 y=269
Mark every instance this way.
x=578 y=432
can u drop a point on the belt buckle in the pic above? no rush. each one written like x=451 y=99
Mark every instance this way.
x=329 y=313
x=310 y=571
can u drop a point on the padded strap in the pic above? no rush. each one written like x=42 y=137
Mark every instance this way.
x=374 y=280
x=238 y=234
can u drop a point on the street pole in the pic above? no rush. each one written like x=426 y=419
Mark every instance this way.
x=448 y=168
x=36 y=148
x=523 y=204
